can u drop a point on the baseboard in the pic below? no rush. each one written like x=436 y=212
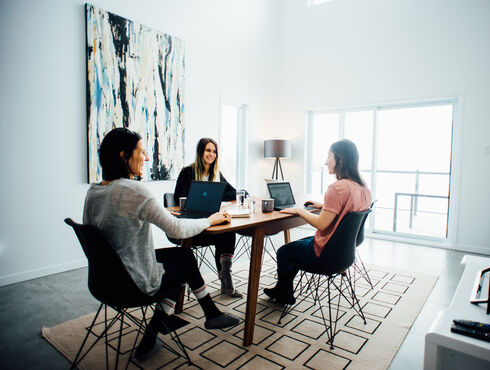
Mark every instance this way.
x=473 y=249
x=37 y=273
x=427 y=243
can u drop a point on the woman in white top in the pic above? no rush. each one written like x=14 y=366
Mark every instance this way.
x=124 y=209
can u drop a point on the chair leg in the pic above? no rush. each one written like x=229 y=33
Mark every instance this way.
x=331 y=332
x=76 y=360
x=105 y=339
x=140 y=324
x=354 y=298
x=107 y=327
x=289 y=307
x=242 y=247
x=268 y=240
x=175 y=337
x=200 y=254
x=362 y=269
x=118 y=351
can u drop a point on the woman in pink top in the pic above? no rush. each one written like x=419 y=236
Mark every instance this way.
x=347 y=194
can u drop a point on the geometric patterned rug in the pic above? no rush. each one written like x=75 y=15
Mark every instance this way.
x=299 y=341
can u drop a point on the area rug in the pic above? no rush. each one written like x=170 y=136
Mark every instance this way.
x=299 y=341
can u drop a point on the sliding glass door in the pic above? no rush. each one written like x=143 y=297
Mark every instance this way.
x=405 y=158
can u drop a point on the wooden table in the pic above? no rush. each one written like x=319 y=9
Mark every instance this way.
x=257 y=226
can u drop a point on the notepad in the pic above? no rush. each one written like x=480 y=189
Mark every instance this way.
x=238 y=212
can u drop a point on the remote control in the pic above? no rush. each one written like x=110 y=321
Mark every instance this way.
x=474 y=333
x=473 y=325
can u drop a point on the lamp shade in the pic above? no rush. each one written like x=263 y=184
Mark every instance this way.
x=277 y=149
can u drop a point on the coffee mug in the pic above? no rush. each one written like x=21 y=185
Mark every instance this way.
x=182 y=203
x=267 y=205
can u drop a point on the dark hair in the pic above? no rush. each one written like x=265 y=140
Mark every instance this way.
x=346 y=161
x=116 y=141
x=198 y=164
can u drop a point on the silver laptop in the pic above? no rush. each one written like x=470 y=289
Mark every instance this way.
x=283 y=196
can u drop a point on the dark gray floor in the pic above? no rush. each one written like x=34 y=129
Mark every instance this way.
x=26 y=307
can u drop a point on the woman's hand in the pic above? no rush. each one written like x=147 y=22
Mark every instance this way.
x=219 y=218
x=290 y=211
x=314 y=204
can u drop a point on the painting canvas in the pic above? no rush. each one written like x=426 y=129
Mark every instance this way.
x=135 y=79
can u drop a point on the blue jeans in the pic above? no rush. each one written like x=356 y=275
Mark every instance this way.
x=298 y=253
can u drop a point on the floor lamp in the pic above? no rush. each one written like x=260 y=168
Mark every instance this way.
x=277 y=149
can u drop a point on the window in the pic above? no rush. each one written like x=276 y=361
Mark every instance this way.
x=405 y=158
x=233 y=144
x=312 y=3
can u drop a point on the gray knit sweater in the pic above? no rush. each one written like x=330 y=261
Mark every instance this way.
x=124 y=210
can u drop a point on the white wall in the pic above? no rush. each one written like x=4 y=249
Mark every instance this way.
x=230 y=51
x=356 y=52
x=277 y=56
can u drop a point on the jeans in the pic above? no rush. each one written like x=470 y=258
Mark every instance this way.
x=225 y=244
x=180 y=267
x=292 y=255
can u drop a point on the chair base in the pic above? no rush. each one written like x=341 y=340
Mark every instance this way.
x=125 y=316
x=318 y=286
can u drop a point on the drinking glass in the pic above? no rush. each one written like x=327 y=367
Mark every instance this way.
x=240 y=198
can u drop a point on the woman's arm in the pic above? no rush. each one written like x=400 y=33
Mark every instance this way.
x=183 y=183
x=174 y=227
x=314 y=204
x=321 y=221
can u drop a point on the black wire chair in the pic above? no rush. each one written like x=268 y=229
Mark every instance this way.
x=358 y=267
x=331 y=272
x=110 y=283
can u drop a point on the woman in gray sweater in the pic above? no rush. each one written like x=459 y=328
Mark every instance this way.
x=124 y=209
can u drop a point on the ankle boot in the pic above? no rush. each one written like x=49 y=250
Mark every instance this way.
x=227 y=286
x=283 y=292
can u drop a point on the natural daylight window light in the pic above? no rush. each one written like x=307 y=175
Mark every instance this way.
x=405 y=158
x=312 y=3
x=233 y=142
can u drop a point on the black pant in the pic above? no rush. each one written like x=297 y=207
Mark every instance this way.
x=225 y=244
x=180 y=267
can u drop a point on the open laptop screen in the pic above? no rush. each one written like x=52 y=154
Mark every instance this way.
x=281 y=193
x=205 y=196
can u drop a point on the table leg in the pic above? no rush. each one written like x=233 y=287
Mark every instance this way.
x=253 y=284
x=287 y=236
x=179 y=305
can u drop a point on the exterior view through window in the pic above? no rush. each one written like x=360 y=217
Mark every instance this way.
x=405 y=159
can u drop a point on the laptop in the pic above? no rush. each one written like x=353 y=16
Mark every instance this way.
x=204 y=199
x=283 y=197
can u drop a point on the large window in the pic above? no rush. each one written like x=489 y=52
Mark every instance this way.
x=233 y=143
x=405 y=158
x=312 y=3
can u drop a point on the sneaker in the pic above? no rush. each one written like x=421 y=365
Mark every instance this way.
x=280 y=297
x=224 y=320
x=142 y=353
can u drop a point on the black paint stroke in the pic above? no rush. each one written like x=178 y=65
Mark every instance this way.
x=120 y=39
x=163 y=73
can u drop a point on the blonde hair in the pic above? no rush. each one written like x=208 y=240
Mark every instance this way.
x=199 y=165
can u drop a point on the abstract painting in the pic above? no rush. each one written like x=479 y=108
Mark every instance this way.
x=135 y=79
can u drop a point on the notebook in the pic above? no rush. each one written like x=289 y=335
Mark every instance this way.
x=237 y=213
x=204 y=199
x=283 y=197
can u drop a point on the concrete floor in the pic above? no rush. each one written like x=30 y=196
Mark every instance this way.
x=26 y=307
